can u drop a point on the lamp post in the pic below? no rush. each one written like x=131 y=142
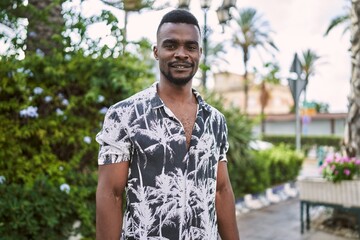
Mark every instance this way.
x=223 y=14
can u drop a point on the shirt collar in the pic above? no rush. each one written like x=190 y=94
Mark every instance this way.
x=156 y=101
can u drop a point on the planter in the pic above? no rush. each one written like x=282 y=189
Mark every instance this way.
x=320 y=192
x=345 y=193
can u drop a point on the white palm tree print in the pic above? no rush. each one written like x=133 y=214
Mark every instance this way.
x=171 y=190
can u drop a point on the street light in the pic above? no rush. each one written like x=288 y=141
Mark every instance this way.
x=223 y=14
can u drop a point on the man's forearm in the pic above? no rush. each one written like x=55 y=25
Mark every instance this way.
x=225 y=209
x=109 y=217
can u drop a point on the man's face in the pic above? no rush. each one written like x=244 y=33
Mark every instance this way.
x=178 y=51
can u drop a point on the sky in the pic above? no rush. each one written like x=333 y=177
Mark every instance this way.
x=297 y=25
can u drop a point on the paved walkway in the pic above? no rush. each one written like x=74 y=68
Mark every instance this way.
x=281 y=221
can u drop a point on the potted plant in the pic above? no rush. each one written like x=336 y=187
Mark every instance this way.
x=339 y=184
x=338 y=187
x=338 y=168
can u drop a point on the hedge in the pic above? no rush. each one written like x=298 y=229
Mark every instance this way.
x=268 y=168
x=307 y=141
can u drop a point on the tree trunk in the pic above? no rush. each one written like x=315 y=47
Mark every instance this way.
x=264 y=99
x=45 y=27
x=246 y=82
x=246 y=92
x=305 y=88
x=352 y=128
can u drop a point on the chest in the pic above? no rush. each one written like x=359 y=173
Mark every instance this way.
x=163 y=142
x=187 y=116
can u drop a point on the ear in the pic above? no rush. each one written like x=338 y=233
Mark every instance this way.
x=155 y=52
x=201 y=50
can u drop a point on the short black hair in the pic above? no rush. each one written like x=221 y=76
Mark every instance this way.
x=179 y=16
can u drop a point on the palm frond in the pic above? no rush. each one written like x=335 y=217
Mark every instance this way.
x=342 y=19
x=253 y=32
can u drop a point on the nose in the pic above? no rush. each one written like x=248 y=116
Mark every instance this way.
x=181 y=52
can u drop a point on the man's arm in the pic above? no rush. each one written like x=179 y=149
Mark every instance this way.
x=225 y=205
x=112 y=181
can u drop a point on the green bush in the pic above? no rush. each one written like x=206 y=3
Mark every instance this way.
x=266 y=168
x=51 y=108
x=45 y=211
x=239 y=135
x=254 y=171
x=281 y=162
x=251 y=174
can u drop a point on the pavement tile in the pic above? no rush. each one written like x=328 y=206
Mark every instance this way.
x=281 y=221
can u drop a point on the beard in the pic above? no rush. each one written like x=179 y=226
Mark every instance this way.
x=177 y=81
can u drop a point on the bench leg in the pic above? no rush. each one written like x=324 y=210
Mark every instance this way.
x=307 y=208
x=358 y=223
x=301 y=217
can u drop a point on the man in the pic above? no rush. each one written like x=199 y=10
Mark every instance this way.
x=165 y=148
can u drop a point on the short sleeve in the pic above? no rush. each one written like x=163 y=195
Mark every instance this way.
x=224 y=144
x=115 y=144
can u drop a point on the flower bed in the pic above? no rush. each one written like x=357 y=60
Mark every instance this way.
x=337 y=168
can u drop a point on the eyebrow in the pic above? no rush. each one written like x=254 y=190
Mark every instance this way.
x=169 y=41
x=176 y=41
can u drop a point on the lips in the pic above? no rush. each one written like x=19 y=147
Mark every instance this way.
x=180 y=65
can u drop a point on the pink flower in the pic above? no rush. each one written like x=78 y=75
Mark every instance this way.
x=328 y=159
x=337 y=167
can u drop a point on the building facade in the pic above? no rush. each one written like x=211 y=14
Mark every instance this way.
x=231 y=87
x=318 y=125
x=278 y=119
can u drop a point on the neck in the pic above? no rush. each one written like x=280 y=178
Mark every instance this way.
x=171 y=92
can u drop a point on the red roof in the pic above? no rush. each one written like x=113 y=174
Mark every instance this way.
x=318 y=116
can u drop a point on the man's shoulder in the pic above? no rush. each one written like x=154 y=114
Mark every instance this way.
x=213 y=110
x=141 y=97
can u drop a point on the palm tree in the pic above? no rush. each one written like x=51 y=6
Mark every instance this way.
x=165 y=194
x=45 y=35
x=352 y=127
x=252 y=32
x=308 y=61
x=142 y=210
x=215 y=59
x=352 y=136
x=216 y=54
x=160 y=139
x=338 y=20
x=207 y=206
x=270 y=77
x=44 y=27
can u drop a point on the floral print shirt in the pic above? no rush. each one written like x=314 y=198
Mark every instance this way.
x=171 y=189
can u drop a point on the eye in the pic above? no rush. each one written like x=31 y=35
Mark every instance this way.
x=169 y=46
x=192 y=47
